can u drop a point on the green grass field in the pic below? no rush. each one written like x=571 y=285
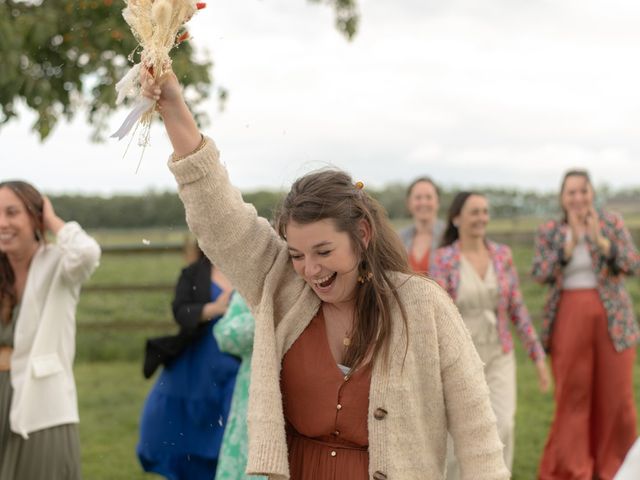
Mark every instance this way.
x=112 y=327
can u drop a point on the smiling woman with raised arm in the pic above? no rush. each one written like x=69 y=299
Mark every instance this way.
x=590 y=332
x=39 y=291
x=359 y=367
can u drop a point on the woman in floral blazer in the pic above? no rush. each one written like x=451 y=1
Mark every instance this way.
x=590 y=332
x=481 y=278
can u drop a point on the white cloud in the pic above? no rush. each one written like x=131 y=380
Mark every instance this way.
x=499 y=91
x=537 y=167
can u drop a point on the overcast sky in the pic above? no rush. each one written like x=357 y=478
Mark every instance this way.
x=472 y=93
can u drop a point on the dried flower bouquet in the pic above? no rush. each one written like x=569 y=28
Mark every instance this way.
x=155 y=24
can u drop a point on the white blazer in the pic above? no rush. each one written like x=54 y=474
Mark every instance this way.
x=44 y=390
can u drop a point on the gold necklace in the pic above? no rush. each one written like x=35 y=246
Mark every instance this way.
x=346 y=339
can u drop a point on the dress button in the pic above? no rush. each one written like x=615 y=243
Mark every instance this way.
x=333 y=453
x=379 y=476
x=338 y=406
x=336 y=433
x=380 y=413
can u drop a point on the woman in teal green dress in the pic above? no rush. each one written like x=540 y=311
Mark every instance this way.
x=234 y=335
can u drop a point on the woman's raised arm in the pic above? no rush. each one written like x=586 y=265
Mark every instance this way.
x=178 y=120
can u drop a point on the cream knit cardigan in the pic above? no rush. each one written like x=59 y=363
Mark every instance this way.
x=438 y=386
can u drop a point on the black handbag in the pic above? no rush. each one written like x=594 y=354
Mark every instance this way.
x=163 y=350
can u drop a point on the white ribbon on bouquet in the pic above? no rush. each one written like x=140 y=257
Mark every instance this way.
x=155 y=25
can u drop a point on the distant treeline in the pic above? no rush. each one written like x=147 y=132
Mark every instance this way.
x=164 y=209
x=151 y=209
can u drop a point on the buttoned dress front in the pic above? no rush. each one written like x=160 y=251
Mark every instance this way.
x=326 y=410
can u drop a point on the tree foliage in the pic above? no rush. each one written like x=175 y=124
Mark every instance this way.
x=164 y=209
x=152 y=209
x=346 y=15
x=61 y=57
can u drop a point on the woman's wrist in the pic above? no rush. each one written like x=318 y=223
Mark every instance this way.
x=181 y=127
x=172 y=108
x=208 y=312
x=203 y=142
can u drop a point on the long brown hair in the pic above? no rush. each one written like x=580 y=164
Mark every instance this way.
x=33 y=202
x=451 y=233
x=331 y=194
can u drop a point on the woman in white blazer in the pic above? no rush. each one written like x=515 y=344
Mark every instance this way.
x=39 y=290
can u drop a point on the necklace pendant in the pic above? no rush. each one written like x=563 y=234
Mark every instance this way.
x=346 y=341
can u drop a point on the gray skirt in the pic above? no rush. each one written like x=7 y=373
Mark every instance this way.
x=49 y=454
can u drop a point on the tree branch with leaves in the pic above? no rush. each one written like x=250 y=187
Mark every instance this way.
x=63 y=57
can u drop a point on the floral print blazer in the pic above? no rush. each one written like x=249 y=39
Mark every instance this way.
x=623 y=260
x=445 y=269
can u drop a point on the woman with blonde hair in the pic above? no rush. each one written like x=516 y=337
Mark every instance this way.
x=591 y=334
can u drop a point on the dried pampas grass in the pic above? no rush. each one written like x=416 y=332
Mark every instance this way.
x=155 y=25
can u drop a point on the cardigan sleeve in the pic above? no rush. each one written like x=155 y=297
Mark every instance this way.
x=80 y=253
x=244 y=246
x=470 y=419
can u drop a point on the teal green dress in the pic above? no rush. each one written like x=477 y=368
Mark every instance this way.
x=234 y=334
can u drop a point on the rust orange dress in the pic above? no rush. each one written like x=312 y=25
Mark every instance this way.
x=419 y=265
x=325 y=409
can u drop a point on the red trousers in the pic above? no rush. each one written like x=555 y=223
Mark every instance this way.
x=595 y=418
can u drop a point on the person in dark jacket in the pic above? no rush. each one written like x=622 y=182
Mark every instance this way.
x=184 y=415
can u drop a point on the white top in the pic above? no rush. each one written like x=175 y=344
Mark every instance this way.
x=578 y=273
x=44 y=391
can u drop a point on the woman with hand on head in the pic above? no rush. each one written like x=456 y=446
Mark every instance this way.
x=591 y=334
x=184 y=416
x=359 y=368
x=482 y=280
x=39 y=289
x=423 y=237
